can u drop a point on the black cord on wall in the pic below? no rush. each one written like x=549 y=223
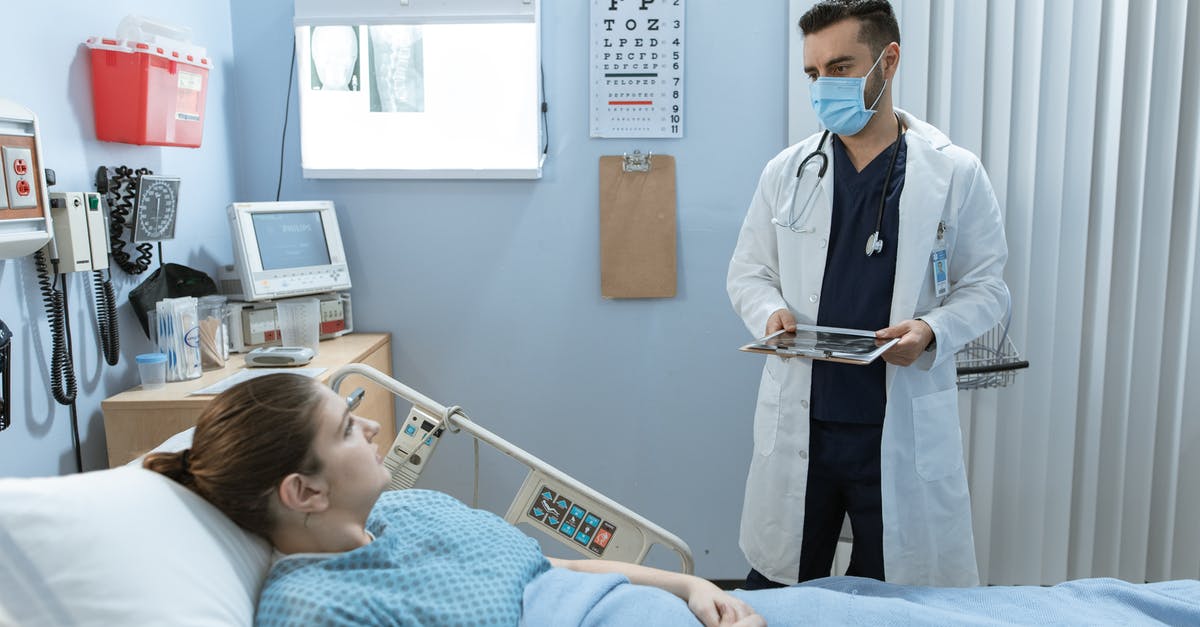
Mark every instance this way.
x=286 y=107
x=545 y=108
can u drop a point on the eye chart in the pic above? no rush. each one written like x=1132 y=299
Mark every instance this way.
x=637 y=68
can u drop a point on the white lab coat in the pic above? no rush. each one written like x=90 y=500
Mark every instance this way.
x=927 y=537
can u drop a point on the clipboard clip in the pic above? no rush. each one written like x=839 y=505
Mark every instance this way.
x=800 y=352
x=637 y=162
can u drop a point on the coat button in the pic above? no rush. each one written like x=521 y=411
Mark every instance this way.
x=803 y=454
x=824 y=242
x=812 y=298
x=804 y=404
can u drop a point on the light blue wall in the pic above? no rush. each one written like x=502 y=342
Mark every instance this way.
x=46 y=70
x=491 y=289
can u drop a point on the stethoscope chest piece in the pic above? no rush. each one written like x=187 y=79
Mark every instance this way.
x=874 y=244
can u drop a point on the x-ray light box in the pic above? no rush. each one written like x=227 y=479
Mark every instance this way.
x=414 y=93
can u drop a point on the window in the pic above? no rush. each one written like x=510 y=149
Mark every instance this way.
x=417 y=89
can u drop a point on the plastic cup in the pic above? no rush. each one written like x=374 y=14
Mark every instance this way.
x=214 y=322
x=299 y=322
x=152 y=367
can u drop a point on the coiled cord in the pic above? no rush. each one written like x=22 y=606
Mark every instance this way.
x=5 y=376
x=106 y=316
x=62 y=364
x=120 y=196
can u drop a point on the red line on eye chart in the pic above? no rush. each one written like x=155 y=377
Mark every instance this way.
x=631 y=103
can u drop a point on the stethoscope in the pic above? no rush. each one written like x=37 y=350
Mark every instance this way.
x=821 y=161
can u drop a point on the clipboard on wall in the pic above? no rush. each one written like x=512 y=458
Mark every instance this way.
x=637 y=226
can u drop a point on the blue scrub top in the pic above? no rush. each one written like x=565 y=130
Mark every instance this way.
x=856 y=292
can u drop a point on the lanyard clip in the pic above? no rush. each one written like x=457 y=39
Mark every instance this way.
x=941 y=229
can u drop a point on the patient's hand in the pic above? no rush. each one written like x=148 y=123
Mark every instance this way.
x=711 y=605
x=717 y=608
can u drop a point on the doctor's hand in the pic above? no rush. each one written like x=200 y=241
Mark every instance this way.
x=781 y=319
x=915 y=336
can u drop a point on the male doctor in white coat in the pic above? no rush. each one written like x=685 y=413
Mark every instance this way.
x=886 y=226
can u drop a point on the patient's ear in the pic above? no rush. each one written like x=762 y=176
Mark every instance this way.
x=304 y=493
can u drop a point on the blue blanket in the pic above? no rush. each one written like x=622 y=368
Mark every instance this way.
x=562 y=597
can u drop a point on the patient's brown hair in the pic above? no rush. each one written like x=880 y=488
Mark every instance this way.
x=247 y=440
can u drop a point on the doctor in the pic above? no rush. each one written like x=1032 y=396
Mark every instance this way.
x=879 y=223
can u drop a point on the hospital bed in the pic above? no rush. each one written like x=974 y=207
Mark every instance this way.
x=127 y=546
x=549 y=500
x=75 y=549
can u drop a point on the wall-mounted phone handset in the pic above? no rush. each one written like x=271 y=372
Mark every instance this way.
x=151 y=205
x=5 y=372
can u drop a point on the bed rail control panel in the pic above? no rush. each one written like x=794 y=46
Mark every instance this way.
x=549 y=500
x=582 y=523
x=579 y=524
x=414 y=444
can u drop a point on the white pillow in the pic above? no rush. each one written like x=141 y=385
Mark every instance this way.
x=125 y=546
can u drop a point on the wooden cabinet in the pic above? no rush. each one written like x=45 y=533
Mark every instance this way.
x=137 y=420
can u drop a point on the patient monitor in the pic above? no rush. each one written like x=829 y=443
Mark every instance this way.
x=283 y=249
x=549 y=500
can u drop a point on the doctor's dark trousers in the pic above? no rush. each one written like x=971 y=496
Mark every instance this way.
x=843 y=477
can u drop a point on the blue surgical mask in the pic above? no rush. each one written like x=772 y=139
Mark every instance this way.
x=838 y=102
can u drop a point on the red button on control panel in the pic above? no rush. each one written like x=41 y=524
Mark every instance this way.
x=602 y=538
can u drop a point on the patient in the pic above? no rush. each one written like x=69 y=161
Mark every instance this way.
x=283 y=457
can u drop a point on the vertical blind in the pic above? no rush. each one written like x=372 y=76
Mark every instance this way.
x=1086 y=115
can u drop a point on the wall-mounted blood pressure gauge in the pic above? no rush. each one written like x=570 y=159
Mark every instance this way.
x=155 y=208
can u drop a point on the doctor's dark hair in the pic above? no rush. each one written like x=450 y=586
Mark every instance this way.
x=247 y=440
x=877 y=22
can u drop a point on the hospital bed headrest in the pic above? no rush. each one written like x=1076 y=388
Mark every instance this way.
x=122 y=547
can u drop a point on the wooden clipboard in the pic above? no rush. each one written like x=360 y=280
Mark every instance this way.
x=637 y=226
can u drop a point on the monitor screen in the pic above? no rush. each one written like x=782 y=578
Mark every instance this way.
x=292 y=239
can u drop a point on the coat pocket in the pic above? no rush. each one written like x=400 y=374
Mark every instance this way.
x=937 y=434
x=766 y=414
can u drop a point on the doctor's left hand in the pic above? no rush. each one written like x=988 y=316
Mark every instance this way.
x=915 y=336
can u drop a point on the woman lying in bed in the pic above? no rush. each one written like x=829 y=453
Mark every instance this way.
x=283 y=457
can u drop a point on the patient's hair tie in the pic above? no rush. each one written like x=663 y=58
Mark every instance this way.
x=183 y=460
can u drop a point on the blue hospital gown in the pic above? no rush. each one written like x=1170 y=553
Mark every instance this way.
x=434 y=561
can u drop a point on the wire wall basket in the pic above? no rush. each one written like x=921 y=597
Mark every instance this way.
x=989 y=361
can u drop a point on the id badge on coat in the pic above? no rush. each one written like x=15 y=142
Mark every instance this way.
x=941 y=268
